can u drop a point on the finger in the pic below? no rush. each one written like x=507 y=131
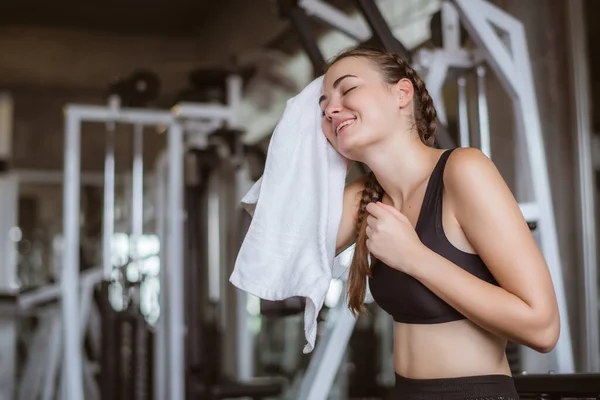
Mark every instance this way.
x=369 y=231
x=371 y=220
x=375 y=210
x=390 y=209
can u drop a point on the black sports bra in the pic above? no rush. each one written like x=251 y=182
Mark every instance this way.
x=404 y=297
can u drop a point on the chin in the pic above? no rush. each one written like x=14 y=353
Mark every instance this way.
x=351 y=149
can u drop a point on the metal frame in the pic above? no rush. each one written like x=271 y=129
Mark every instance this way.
x=336 y=19
x=75 y=115
x=174 y=328
x=243 y=336
x=589 y=327
x=161 y=334
x=8 y=220
x=476 y=16
x=175 y=306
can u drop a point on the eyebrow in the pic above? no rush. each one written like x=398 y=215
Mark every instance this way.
x=336 y=84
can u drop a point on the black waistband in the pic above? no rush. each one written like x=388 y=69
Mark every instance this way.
x=468 y=387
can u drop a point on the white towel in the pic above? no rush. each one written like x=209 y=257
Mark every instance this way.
x=289 y=249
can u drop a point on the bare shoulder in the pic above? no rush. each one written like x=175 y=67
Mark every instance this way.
x=471 y=180
x=468 y=165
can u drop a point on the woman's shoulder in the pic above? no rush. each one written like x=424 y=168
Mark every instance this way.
x=468 y=170
x=467 y=162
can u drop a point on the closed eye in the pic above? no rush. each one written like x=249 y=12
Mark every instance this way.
x=343 y=94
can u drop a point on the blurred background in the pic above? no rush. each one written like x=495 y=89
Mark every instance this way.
x=129 y=131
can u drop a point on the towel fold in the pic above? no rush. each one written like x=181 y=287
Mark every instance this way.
x=289 y=249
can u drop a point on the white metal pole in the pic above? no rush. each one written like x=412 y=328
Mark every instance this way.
x=483 y=117
x=161 y=333
x=108 y=215
x=137 y=193
x=589 y=336
x=175 y=263
x=463 y=113
x=234 y=97
x=72 y=365
x=244 y=339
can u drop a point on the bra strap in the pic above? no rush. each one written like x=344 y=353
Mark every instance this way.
x=432 y=203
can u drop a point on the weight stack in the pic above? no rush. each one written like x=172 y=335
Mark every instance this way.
x=135 y=355
x=126 y=359
x=142 y=357
x=111 y=334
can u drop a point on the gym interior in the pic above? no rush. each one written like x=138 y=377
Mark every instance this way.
x=129 y=134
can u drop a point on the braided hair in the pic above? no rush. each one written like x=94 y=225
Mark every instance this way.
x=393 y=68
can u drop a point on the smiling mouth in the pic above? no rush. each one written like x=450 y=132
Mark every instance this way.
x=344 y=125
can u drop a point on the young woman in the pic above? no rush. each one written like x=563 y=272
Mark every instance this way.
x=452 y=258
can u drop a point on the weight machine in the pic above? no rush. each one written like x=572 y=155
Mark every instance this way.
x=507 y=55
x=172 y=248
x=181 y=367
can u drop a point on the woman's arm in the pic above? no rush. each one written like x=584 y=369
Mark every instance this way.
x=524 y=308
x=347 y=229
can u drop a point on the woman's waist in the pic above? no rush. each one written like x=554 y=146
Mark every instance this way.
x=449 y=350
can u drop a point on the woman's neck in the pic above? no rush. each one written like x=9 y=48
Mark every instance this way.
x=401 y=165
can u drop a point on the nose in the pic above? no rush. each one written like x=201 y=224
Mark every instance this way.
x=331 y=109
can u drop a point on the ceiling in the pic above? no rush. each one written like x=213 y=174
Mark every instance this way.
x=169 y=17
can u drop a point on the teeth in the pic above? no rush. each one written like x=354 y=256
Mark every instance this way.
x=343 y=124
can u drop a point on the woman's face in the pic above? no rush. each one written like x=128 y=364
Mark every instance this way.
x=359 y=107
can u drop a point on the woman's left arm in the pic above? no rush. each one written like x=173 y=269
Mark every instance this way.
x=524 y=308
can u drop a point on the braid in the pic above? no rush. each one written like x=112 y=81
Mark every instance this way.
x=360 y=269
x=426 y=114
x=371 y=193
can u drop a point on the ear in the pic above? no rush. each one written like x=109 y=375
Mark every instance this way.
x=405 y=92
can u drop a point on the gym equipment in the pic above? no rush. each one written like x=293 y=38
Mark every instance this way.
x=173 y=243
x=8 y=265
x=477 y=17
x=8 y=348
x=214 y=326
x=557 y=387
x=136 y=90
x=43 y=363
x=587 y=218
x=126 y=360
x=189 y=126
x=75 y=114
x=297 y=12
